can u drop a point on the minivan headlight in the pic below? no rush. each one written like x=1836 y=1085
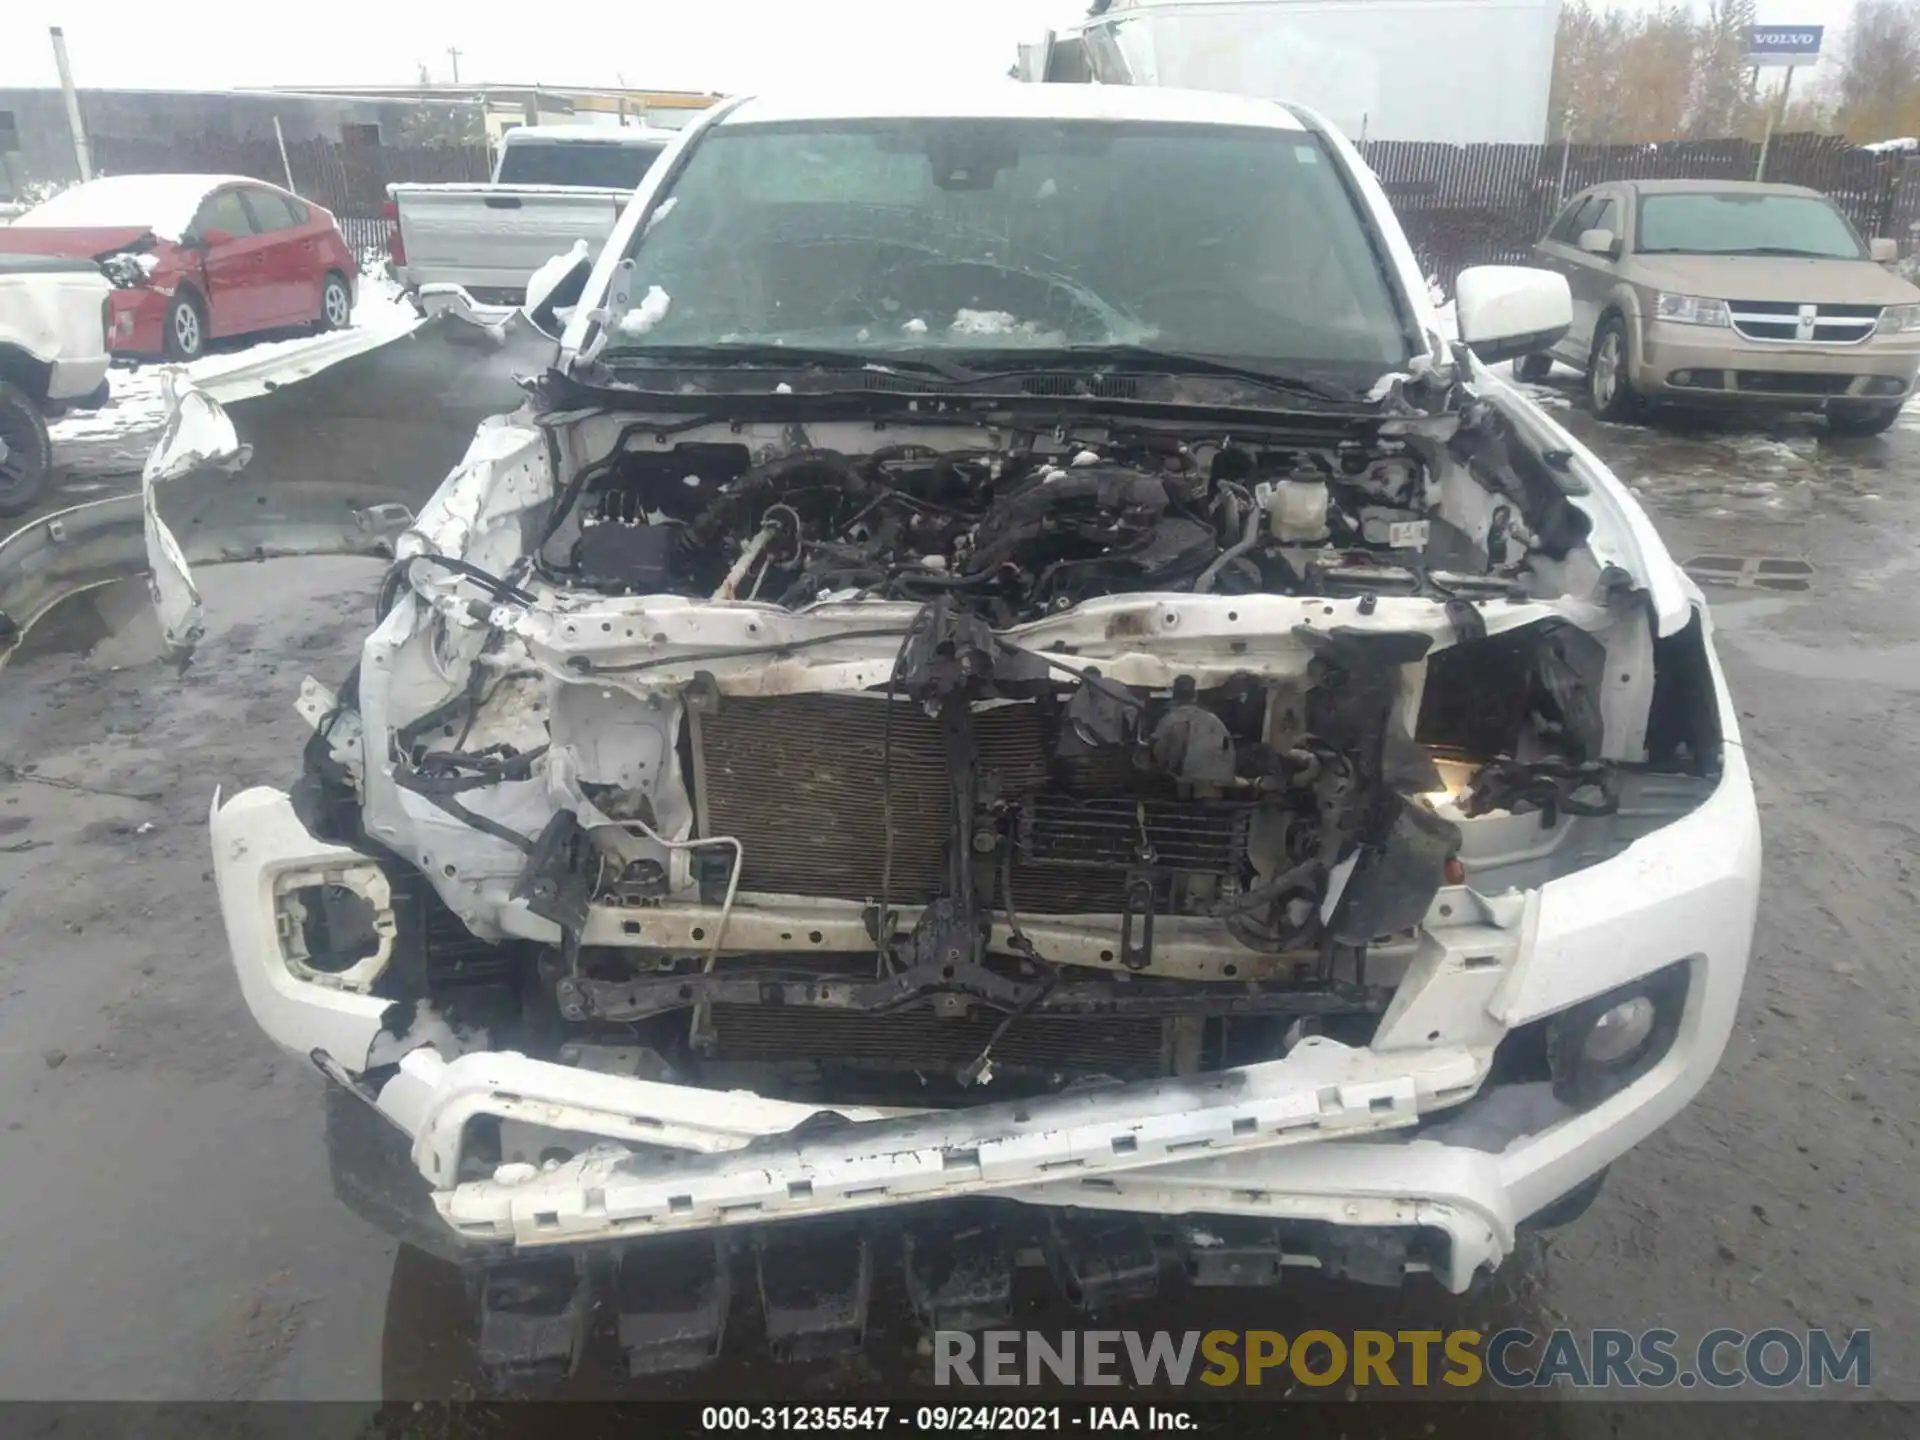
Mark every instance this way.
x=1689 y=309
x=1897 y=318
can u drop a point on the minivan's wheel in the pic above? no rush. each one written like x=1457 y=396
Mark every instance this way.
x=26 y=451
x=336 y=302
x=186 y=335
x=1861 y=419
x=1533 y=368
x=1608 y=384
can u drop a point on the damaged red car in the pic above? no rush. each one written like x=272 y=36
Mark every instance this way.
x=196 y=258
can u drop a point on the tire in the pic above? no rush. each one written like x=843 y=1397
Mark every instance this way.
x=185 y=337
x=1533 y=368
x=336 y=302
x=1609 y=387
x=27 y=467
x=1862 y=419
x=427 y=1344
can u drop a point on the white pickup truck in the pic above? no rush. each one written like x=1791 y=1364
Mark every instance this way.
x=53 y=358
x=553 y=185
x=1011 y=695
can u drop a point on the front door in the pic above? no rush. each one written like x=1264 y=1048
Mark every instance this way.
x=233 y=265
x=291 y=294
x=1589 y=276
x=1559 y=251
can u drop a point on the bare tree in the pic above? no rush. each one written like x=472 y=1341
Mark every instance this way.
x=1878 y=81
x=1723 y=101
x=1631 y=75
x=1622 y=75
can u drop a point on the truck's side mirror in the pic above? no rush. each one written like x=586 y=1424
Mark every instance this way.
x=1509 y=310
x=554 y=286
x=1883 y=250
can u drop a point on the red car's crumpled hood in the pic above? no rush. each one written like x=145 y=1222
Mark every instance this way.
x=87 y=244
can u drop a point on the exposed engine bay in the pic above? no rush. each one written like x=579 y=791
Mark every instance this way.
x=869 y=764
x=1015 y=534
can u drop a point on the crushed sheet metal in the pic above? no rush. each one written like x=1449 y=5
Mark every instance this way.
x=340 y=462
x=197 y=436
x=1322 y=1089
x=432 y=1099
x=1147 y=639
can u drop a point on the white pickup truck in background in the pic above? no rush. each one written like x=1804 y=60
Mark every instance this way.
x=53 y=358
x=553 y=185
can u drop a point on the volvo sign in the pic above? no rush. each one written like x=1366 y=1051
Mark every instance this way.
x=1788 y=45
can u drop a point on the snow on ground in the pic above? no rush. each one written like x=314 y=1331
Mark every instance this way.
x=139 y=396
x=139 y=403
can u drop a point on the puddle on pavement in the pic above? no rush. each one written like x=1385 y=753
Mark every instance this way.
x=1782 y=468
x=1739 y=622
x=1893 y=666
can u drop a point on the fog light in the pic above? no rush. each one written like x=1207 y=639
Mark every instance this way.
x=1601 y=1046
x=1682 y=377
x=1619 y=1032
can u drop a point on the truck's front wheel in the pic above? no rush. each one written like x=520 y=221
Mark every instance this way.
x=427 y=1350
x=26 y=459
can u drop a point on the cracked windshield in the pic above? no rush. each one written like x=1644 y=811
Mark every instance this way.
x=1019 y=235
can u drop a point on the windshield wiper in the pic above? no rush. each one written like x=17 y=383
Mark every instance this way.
x=1181 y=362
x=998 y=365
x=759 y=355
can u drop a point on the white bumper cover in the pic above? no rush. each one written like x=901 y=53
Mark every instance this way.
x=1325 y=1134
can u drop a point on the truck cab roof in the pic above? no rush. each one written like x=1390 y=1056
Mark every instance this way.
x=1012 y=101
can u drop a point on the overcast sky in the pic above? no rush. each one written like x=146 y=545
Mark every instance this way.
x=725 y=45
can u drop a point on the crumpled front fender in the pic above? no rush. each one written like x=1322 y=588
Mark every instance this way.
x=328 y=451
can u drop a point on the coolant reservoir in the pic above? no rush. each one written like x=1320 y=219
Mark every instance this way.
x=1297 y=512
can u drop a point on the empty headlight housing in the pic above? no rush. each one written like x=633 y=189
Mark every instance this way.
x=1602 y=1045
x=1689 y=309
x=1898 y=318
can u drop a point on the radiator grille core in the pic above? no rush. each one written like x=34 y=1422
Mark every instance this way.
x=797 y=780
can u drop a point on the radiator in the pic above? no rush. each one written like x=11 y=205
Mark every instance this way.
x=796 y=779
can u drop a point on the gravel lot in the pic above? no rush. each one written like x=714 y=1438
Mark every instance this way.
x=168 y=1230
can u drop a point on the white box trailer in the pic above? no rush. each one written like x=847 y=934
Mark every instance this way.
x=1464 y=71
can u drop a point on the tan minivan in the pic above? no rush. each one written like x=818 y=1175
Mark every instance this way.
x=1727 y=291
